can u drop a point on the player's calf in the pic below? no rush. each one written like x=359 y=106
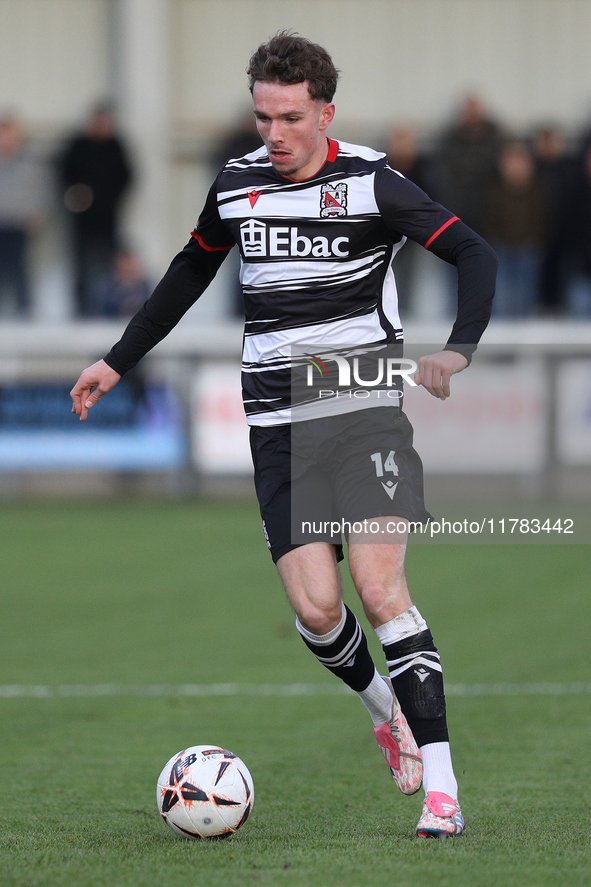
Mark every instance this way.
x=343 y=651
x=417 y=679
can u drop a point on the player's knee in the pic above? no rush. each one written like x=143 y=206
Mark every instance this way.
x=383 y=601
x=318 y=620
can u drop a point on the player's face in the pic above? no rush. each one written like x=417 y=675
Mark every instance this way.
x=293 y=127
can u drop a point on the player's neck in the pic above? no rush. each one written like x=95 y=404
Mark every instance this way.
x=316 y=165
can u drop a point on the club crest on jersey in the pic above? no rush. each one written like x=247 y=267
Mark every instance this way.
x=333 y=200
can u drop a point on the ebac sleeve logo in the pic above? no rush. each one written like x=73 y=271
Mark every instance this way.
x=333 y=200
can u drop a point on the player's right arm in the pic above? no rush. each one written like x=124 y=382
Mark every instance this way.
x=95 y=381
x=188 y=276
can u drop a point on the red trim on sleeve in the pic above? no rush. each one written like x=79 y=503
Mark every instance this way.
x=441 y=230
x=210 y=249
x=333 y=150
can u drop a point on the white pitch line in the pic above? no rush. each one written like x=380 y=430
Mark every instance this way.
x=44 y=691
x=576 y=688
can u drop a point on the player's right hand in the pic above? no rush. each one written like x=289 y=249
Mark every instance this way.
x=95 y=381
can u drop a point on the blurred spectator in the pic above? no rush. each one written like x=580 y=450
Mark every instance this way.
x=23 y=203
x=515 y=222
x=467 y=160
x=241 y=140
x=123 y=290
x=95 y=173
x=404 y=156
x=555 y=169
x=578 y=231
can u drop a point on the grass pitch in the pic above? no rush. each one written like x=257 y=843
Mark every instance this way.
x=134 y=595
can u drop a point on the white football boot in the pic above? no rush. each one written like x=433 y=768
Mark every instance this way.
x=400 y=750
x=441 y=817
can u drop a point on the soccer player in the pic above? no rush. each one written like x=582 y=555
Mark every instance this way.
x=317 y=222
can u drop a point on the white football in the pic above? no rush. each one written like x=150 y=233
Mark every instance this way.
x=205 y=792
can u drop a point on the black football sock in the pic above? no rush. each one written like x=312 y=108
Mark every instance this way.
x=417 y=678
x=343 y=651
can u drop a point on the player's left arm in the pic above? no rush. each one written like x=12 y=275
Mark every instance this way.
x=476 y=265
x=406 y=209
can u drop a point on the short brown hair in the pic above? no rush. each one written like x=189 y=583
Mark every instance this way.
x=289 y=58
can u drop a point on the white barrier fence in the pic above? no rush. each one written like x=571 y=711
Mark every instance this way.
x=522 y=410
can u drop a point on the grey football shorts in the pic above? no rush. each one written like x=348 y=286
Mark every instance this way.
x=340 y=470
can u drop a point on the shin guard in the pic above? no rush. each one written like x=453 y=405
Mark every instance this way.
x=417 y=678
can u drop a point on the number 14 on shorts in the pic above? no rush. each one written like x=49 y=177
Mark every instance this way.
x=382 y=466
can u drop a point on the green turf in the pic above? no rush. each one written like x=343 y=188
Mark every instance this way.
x=143 y=593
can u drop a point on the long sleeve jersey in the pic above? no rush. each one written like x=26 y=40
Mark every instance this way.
x=315 y=267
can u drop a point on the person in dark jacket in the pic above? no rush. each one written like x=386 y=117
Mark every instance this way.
x=95 y=172
x=515 y=221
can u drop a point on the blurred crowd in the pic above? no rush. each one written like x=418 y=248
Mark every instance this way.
x=83 y=185
x=528 y=194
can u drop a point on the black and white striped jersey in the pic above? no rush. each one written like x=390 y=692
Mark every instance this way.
x=315 y=267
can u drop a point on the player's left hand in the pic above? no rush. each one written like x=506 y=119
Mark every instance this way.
x=435 y=371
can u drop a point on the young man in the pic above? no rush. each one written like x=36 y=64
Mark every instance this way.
x=317 y=223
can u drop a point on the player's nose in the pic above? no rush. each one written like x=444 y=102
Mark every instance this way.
x=276 y=132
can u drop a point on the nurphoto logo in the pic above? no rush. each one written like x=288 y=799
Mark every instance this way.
x=384 y=371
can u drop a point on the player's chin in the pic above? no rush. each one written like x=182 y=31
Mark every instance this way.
x=283 y=165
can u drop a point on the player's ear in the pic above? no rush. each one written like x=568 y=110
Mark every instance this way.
x=326 y=115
